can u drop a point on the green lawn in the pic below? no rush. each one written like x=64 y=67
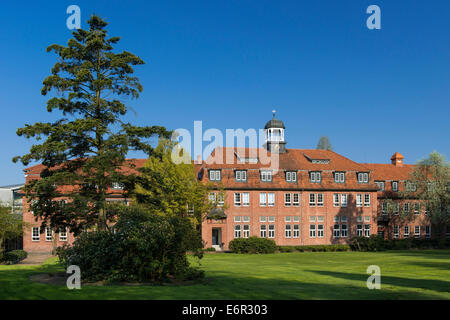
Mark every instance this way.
x=314 y=275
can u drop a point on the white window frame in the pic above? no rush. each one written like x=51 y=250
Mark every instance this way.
x=406 y=232
x=359 y=230
x=344 y=231
x=336 y=200
x=416 y=231
x=240 y=175
x=271 y=199
x=271 y=231
x=396 y=232
x=287 y=231
x=237 y=231
x=344 y=200
x=313 y=197
x=428 y=231
x=394 y=186
x=296 y=231
x=320 y=230
x=35 y=238
x=262 y=199
x=246 y=231
x=245 y=199
x=367 y=200
x=47 y=237
x=237 y=199
x=359 y=200
x=315 y=176
x=367 y=230
x=320 y=199
x=63 y=235
x=291 y=176
x=336 y=231
x=295 y=202
x=263 y=231
x=339 y=177
x=266 y=175
x=312 y=230
x=215 y=175
x=287 y=199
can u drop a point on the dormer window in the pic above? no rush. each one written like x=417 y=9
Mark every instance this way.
x=214 y=175
x=363 y=177
x=394 y=185
x=240 y=175
x=339 y=177
x=291 y=176
x=266 y=175
x=410 y=186
x=315 y=176
x=380 y=185
x=117 y=186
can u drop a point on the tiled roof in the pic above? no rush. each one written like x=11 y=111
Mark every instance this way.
x=390 y=171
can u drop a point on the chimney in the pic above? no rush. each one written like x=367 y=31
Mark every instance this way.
x=199 y=159
x=397 y=159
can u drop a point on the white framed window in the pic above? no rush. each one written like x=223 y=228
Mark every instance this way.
x=366 y=218
x=359 y=230
x=312 y=199
x=271 y=218
x=245 y=199
x=237 y=199
x=367 y=200
x=336 y=230
x=315 y=176
x=428 y=231
x=263 y=231
x=63 y=234
x=320 y=199
x=380 y=185
x=220 y=199
x=266 y=175
x=320 y=218
x=396 y=208
x=287 y=199
x=214 y=175
x=384 y=208
x=48 y=234
x=312 y=218
x=367 y=230
x=237 y=218
x=117 y=186
x=417 y=231
x=287 y=231
x=394 y=185
x=287 y=219
x=363 y=177
x=271 y=199
x=359 y=201
x=344 y=219
x=406 y=207
x=246 y=219
x=312 y=230
x=271 y=231
x=296 y=200
x=240 y=175
x=410 y=186
x=262 y=199
x=416 y=208
x=344 y=230
x=339 y=177
x=359 y=219
x=336 y=218
x=291 y=176
x=396 y=232
x=320 y=231
x=246 y=230
x=35 y=234
x=344 y=200
x=212 y=197
x=237 y=231
x=263 y=219
x=336 y=200
x=406 y=232
x=296 y=219
x=296 y=231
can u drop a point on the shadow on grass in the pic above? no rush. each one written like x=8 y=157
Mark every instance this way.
x=431 y=254
x=430 y=284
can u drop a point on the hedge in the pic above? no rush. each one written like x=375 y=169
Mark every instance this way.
x=14 y=256
x=315 y=248
x=253 y=245
x=376 y=243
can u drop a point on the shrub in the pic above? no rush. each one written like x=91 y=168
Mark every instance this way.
x=376 y=243
x=253 y=245
x=143 y=247
x=14 y=256
x=315 y=248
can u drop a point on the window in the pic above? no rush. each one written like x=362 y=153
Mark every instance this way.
x=384 y=207
x=336 y=219
x=380 y=185
x=344 y=200
x=271 y=231
x=296 y=200
x=410 y=186
x=287 y=219
x=428 y=231
x=266 y=176
x=344 y=230
x=271 y=219
x=263 y=231
x=394 y=185
x=296 y=231
x=117 y=186
x=363 y=177
x=287 y=199
x=396 y=208
x=35 y=234
x=240 y=175
x=296 y=219
x=48 y=234
x=271 y=199
x=336 y=200
x=367 y=200
x=190 y=209
x=339 y=177
x=344 y=219
x=359 y=200
x=406 y=207
x=406 y=232
x=312 y=230
x=366 y=218
x=237 y=219
x=262 y=219
x=336 y=231
x=367 y=230
x=212 y=198
x=245 y=219
x=246 y=232
x=312 y=219
x=287 y=231
x=359 y=230
x=63 y=235
x=291 y=176
x=214 y=175
x=416 y=208
x=396 y=232
x=312 y=199
x=245 y=199
x=237 y=231
x=237 y=199
x=359 y=219
x=262 y=199
x=417 y=231
x=320 y=199
x=220 y=199
x=315 y=176
x=320 y=230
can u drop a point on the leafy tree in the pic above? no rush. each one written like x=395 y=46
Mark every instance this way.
x=430 y=182
x=324 y=144
x=11 y=226
x=87 y=146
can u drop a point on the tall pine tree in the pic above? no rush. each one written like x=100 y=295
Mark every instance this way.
x=86 y=148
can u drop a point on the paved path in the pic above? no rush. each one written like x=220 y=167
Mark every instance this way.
x=35 y=258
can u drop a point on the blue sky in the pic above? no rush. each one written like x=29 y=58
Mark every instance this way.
x=229 y=63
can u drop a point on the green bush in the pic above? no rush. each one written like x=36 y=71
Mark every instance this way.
x=14 y=256
x=376 y=243
x=253 y=245
x=322 y=248
x=143 y=247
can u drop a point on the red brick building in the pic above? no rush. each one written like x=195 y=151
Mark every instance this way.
x=309 y=197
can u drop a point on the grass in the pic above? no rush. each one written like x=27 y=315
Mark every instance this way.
x=310 y=275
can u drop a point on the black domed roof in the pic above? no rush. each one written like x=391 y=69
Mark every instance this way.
x=274 y=123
